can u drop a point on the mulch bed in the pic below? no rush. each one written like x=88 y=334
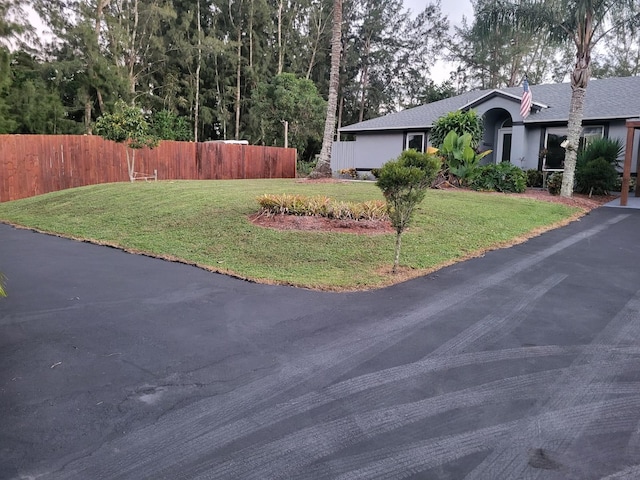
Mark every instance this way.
x=366 y=227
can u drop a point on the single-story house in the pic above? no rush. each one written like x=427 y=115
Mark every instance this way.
x=532 y=143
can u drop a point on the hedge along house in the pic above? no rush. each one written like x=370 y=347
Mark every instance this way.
x=531 y=143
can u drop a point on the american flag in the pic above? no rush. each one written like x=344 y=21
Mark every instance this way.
x=525 y=103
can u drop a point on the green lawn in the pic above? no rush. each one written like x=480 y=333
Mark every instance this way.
x=205 y=222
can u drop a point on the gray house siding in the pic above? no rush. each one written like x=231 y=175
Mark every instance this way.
x=343 y=156
x=367 y=152
x=609 y=103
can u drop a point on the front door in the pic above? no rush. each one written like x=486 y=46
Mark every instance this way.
x=503 y=153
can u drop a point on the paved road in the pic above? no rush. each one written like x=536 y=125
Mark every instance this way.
x=523 y=364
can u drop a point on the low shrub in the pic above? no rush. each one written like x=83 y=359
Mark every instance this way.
x=610 y=149
x=501 y=177
x=534 y=178
x=321 y=206
x=304 y=168
x=375 y=172
x=597 y=176
x=554 y=183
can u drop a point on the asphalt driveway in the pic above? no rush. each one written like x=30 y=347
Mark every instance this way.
x=522 y=364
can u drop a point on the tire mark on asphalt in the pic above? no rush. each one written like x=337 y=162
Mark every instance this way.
x=633 y=446
x=498 y=323
x=507 y=460
x=148 y=449
x=629 y=473
x=265 y=419
x=401 y=461
x=292 y=452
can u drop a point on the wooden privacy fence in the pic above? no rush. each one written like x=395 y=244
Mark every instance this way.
x=35 y=164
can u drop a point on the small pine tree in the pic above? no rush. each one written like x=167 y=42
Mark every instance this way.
x=404 y=183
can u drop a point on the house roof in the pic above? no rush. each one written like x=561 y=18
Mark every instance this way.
x=607 y=98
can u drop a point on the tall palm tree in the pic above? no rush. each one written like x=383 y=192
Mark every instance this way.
x=323 y=167
x=582 y=22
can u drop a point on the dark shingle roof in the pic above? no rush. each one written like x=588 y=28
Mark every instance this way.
x=606 y=98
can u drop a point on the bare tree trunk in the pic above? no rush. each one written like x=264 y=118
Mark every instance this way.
x=319 y=29
x=221 y=100
x=131 y=163
x=280 y=48
x=364 y=79
x=132 y=50
x=87 y=116
x=238 y=75
x=196 y=110
x=323 y=167
x=396 y=257
x=97 y=27
x=251 y=36
x=100 y=101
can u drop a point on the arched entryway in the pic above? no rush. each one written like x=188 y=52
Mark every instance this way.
x=498 y=135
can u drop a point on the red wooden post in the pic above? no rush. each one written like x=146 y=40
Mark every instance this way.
x=632 y=125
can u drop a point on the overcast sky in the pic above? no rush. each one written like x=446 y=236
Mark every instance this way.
x=454 y=10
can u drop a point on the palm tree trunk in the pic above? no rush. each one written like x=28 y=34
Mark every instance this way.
x=573 y=140
x=579 y=80
x=238 y=77
x=323 y=167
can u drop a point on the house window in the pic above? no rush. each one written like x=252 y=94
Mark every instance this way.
x=553 y=155
x=415 y=141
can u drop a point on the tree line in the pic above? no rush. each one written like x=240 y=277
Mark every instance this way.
x=240 y=69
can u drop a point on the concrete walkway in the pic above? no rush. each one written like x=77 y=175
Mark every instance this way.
x=522 y=364
x=632 y=202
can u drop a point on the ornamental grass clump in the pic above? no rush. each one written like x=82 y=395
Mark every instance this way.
x=321 y=206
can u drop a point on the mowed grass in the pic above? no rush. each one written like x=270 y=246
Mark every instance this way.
x=206 y=223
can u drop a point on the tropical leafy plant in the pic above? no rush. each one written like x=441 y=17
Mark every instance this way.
x=460 y=157
x=460 y=122
x=404 y=182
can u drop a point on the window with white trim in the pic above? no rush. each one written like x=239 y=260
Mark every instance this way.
x=415 y=141
x=553 y=154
